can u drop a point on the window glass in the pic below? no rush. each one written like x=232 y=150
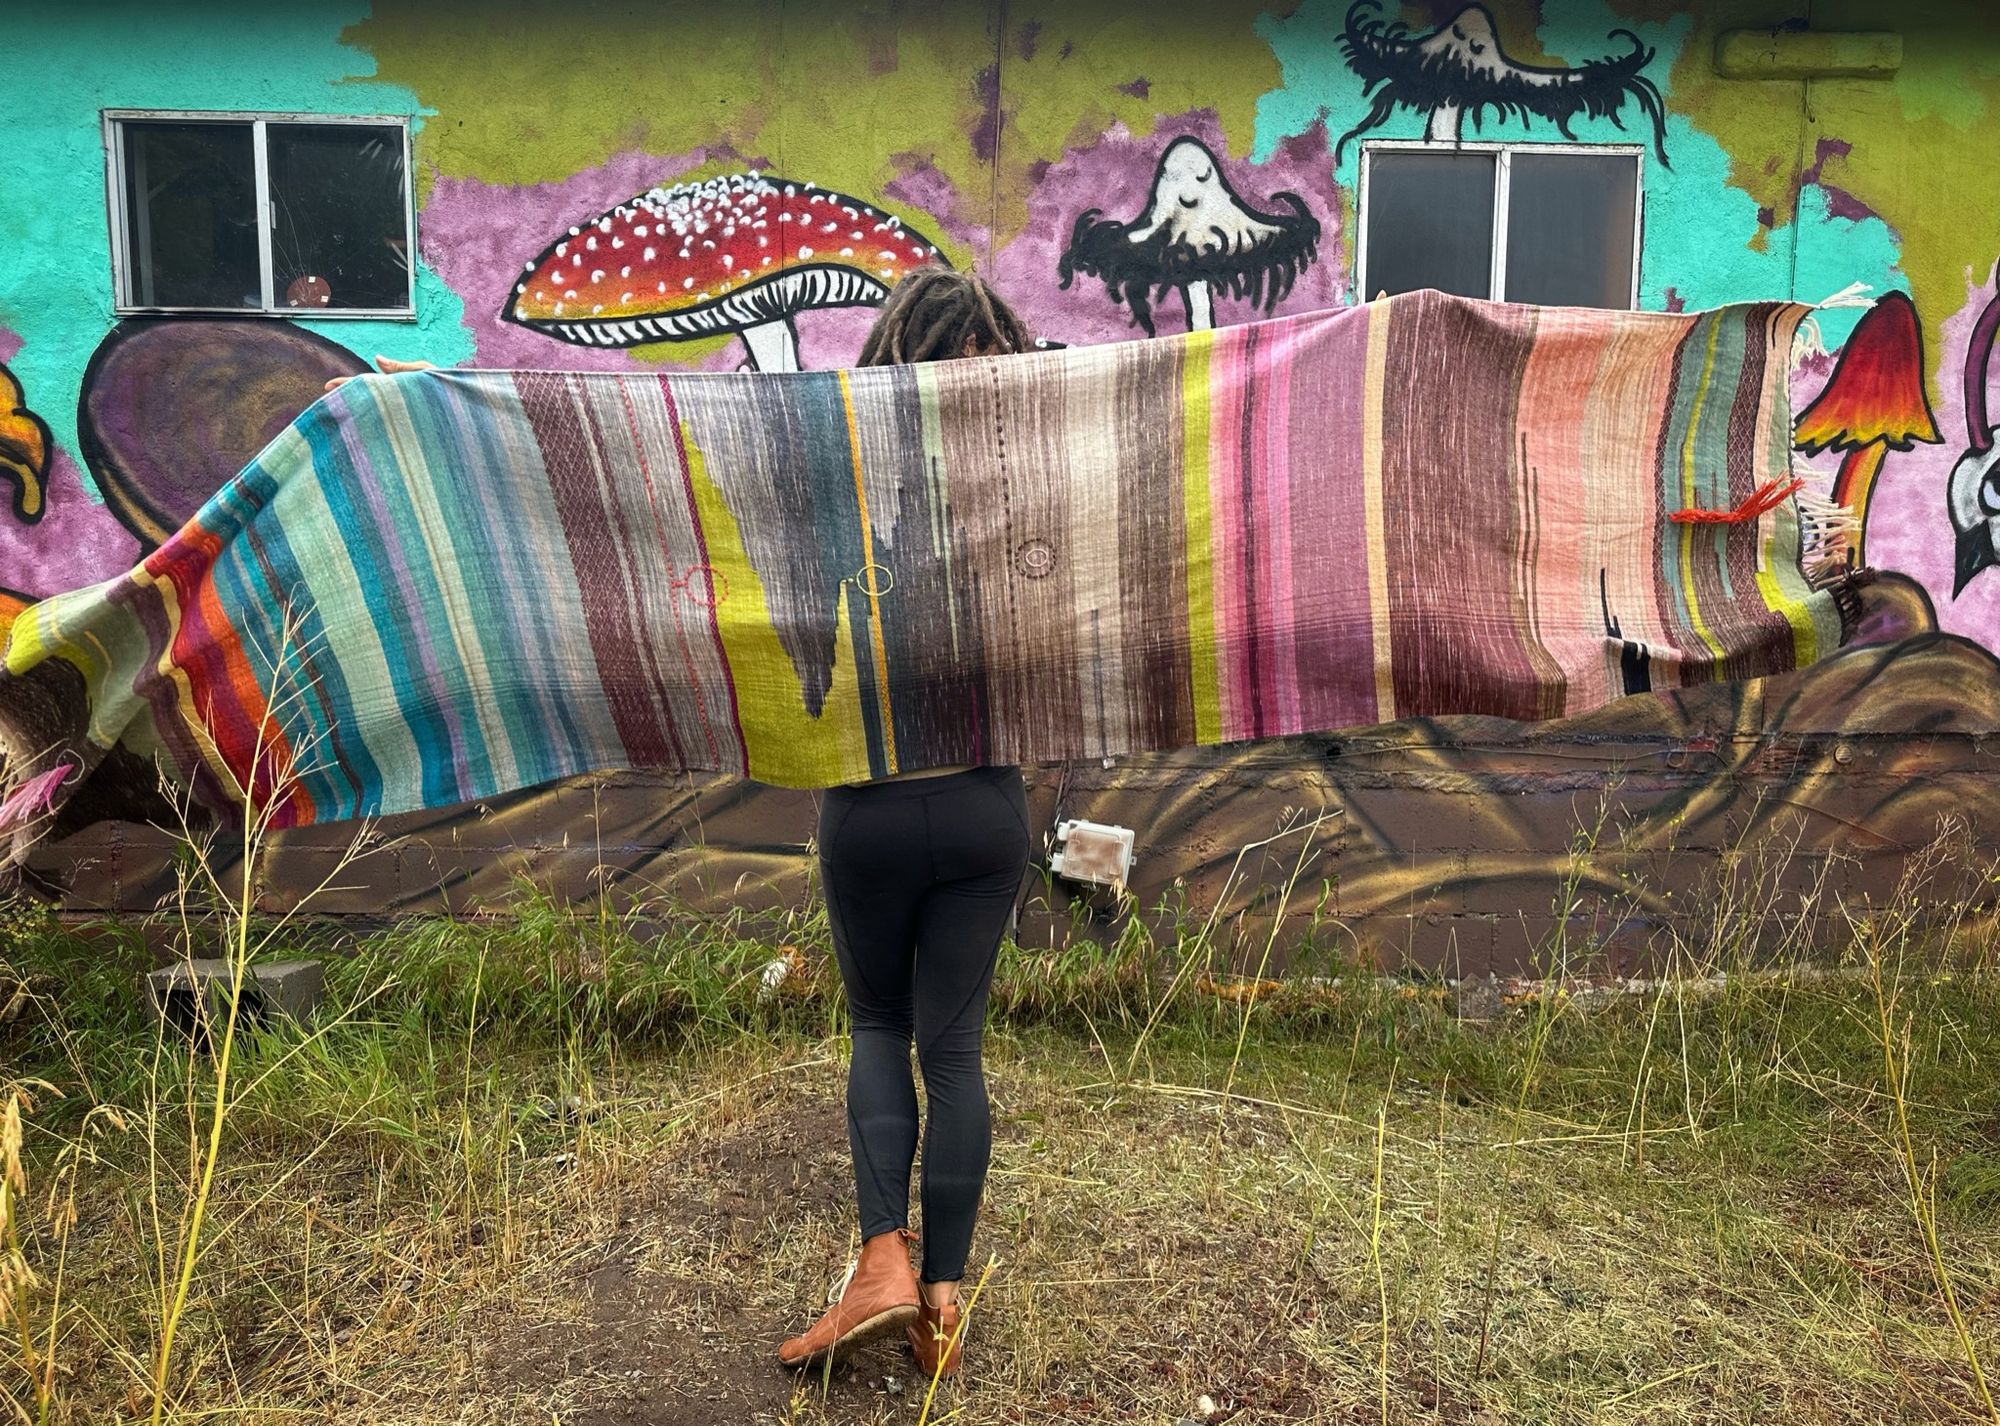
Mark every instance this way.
x=338 y=217
x=1430 y=222
x=191 y=215
x=1569 y=229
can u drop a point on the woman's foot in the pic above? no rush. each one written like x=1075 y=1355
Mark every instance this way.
x=879 y=1297
x=938 y=1333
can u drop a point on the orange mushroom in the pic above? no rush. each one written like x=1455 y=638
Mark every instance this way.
x=24 y=450
x=1873 y=403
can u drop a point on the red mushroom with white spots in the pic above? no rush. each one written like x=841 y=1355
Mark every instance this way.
x=740 y=253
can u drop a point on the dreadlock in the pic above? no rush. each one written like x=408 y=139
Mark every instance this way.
x=933 y=315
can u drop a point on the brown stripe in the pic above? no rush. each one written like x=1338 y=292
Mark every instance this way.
x=1448 y=494
x=1152 y=546
x=621 y=663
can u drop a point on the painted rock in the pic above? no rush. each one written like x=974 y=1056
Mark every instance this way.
x=172 y=409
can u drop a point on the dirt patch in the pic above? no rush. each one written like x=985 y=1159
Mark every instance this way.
x=677 y=1318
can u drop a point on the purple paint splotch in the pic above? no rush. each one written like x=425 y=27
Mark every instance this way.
x=1114 y=174
x=985 y=133
x=77 y=542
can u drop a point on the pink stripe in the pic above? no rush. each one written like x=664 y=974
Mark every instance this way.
x=1225 y=500
x=1277 y=647
x=1329 y=545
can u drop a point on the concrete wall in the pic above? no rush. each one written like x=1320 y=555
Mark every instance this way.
x=992 y=130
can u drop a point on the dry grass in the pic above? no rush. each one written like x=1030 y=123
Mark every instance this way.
x=545 y=1169
x=554 y=1167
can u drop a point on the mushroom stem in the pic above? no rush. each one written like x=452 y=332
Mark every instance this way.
x=1200 y=306
x=1444 y=125
x=772 y=346
x=1855 y=482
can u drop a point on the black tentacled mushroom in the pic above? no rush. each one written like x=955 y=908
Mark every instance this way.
x=1195 y=236
x=1459 y=68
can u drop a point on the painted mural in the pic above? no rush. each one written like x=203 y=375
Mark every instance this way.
x=24 y=450
x=743 y=253
x=1197 y=237
x=1460 y=70
x=1116 y=171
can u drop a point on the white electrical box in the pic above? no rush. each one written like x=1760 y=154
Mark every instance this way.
x=1093 y=851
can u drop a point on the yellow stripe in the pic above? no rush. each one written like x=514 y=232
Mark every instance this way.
x=786 y=744
x=169 y=669
x=1374 y=377
x=868 y=575
x=1199 y=536
x=1687 y=488
x=1783 y=546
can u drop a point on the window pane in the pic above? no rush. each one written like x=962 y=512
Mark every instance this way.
x=1430 y=222
x=1569 y=229
x=191 y=214
x=340 y=234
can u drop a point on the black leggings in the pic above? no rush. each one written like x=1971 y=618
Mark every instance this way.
x=920 y=877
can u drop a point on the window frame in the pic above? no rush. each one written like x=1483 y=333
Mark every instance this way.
x=1503 y=170
x=259 y=120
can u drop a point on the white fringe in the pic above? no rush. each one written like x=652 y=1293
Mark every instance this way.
x=1827 y=532
x=1809 y=341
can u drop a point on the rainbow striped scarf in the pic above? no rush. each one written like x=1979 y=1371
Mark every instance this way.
x=439 y=587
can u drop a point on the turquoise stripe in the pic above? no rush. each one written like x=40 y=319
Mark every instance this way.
x=507 y=605
x=422 y=713
x=404 y=539
x=1687 y=380
x=829 y=457
x=1712 y=446
x=341 y=776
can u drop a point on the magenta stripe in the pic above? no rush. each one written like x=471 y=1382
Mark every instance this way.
x=1329 y=535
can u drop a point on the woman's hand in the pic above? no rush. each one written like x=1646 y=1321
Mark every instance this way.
x=389 y=365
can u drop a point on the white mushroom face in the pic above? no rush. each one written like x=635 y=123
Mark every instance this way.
x=1973 y=494
x=1470 y=43
x=1191 y=207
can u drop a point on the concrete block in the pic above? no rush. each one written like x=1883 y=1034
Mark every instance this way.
x=287 y=989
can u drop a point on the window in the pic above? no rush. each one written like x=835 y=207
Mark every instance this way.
x=1556 y=224
x=281 y=213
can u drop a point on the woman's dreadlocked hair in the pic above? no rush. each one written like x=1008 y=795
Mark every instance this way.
x=935 y=313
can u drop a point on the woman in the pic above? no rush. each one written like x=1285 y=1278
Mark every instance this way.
x=921 y=873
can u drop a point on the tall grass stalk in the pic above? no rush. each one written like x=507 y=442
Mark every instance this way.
x=1200 y=944
x=237 y=903
x=1919 y=1182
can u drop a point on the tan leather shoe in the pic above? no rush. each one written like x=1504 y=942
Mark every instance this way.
x=880 y=1296
x=936 y=1335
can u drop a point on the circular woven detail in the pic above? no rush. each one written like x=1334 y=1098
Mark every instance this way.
x=1035 y=559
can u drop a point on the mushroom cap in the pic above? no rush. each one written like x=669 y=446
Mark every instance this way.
x=1876 y=392
x=1193 y=206
x=717 y=256
x=1470 y=38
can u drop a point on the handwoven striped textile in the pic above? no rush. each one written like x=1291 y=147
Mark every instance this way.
x=439 y=587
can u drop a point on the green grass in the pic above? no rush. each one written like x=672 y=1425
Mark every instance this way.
x=560 y=1164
